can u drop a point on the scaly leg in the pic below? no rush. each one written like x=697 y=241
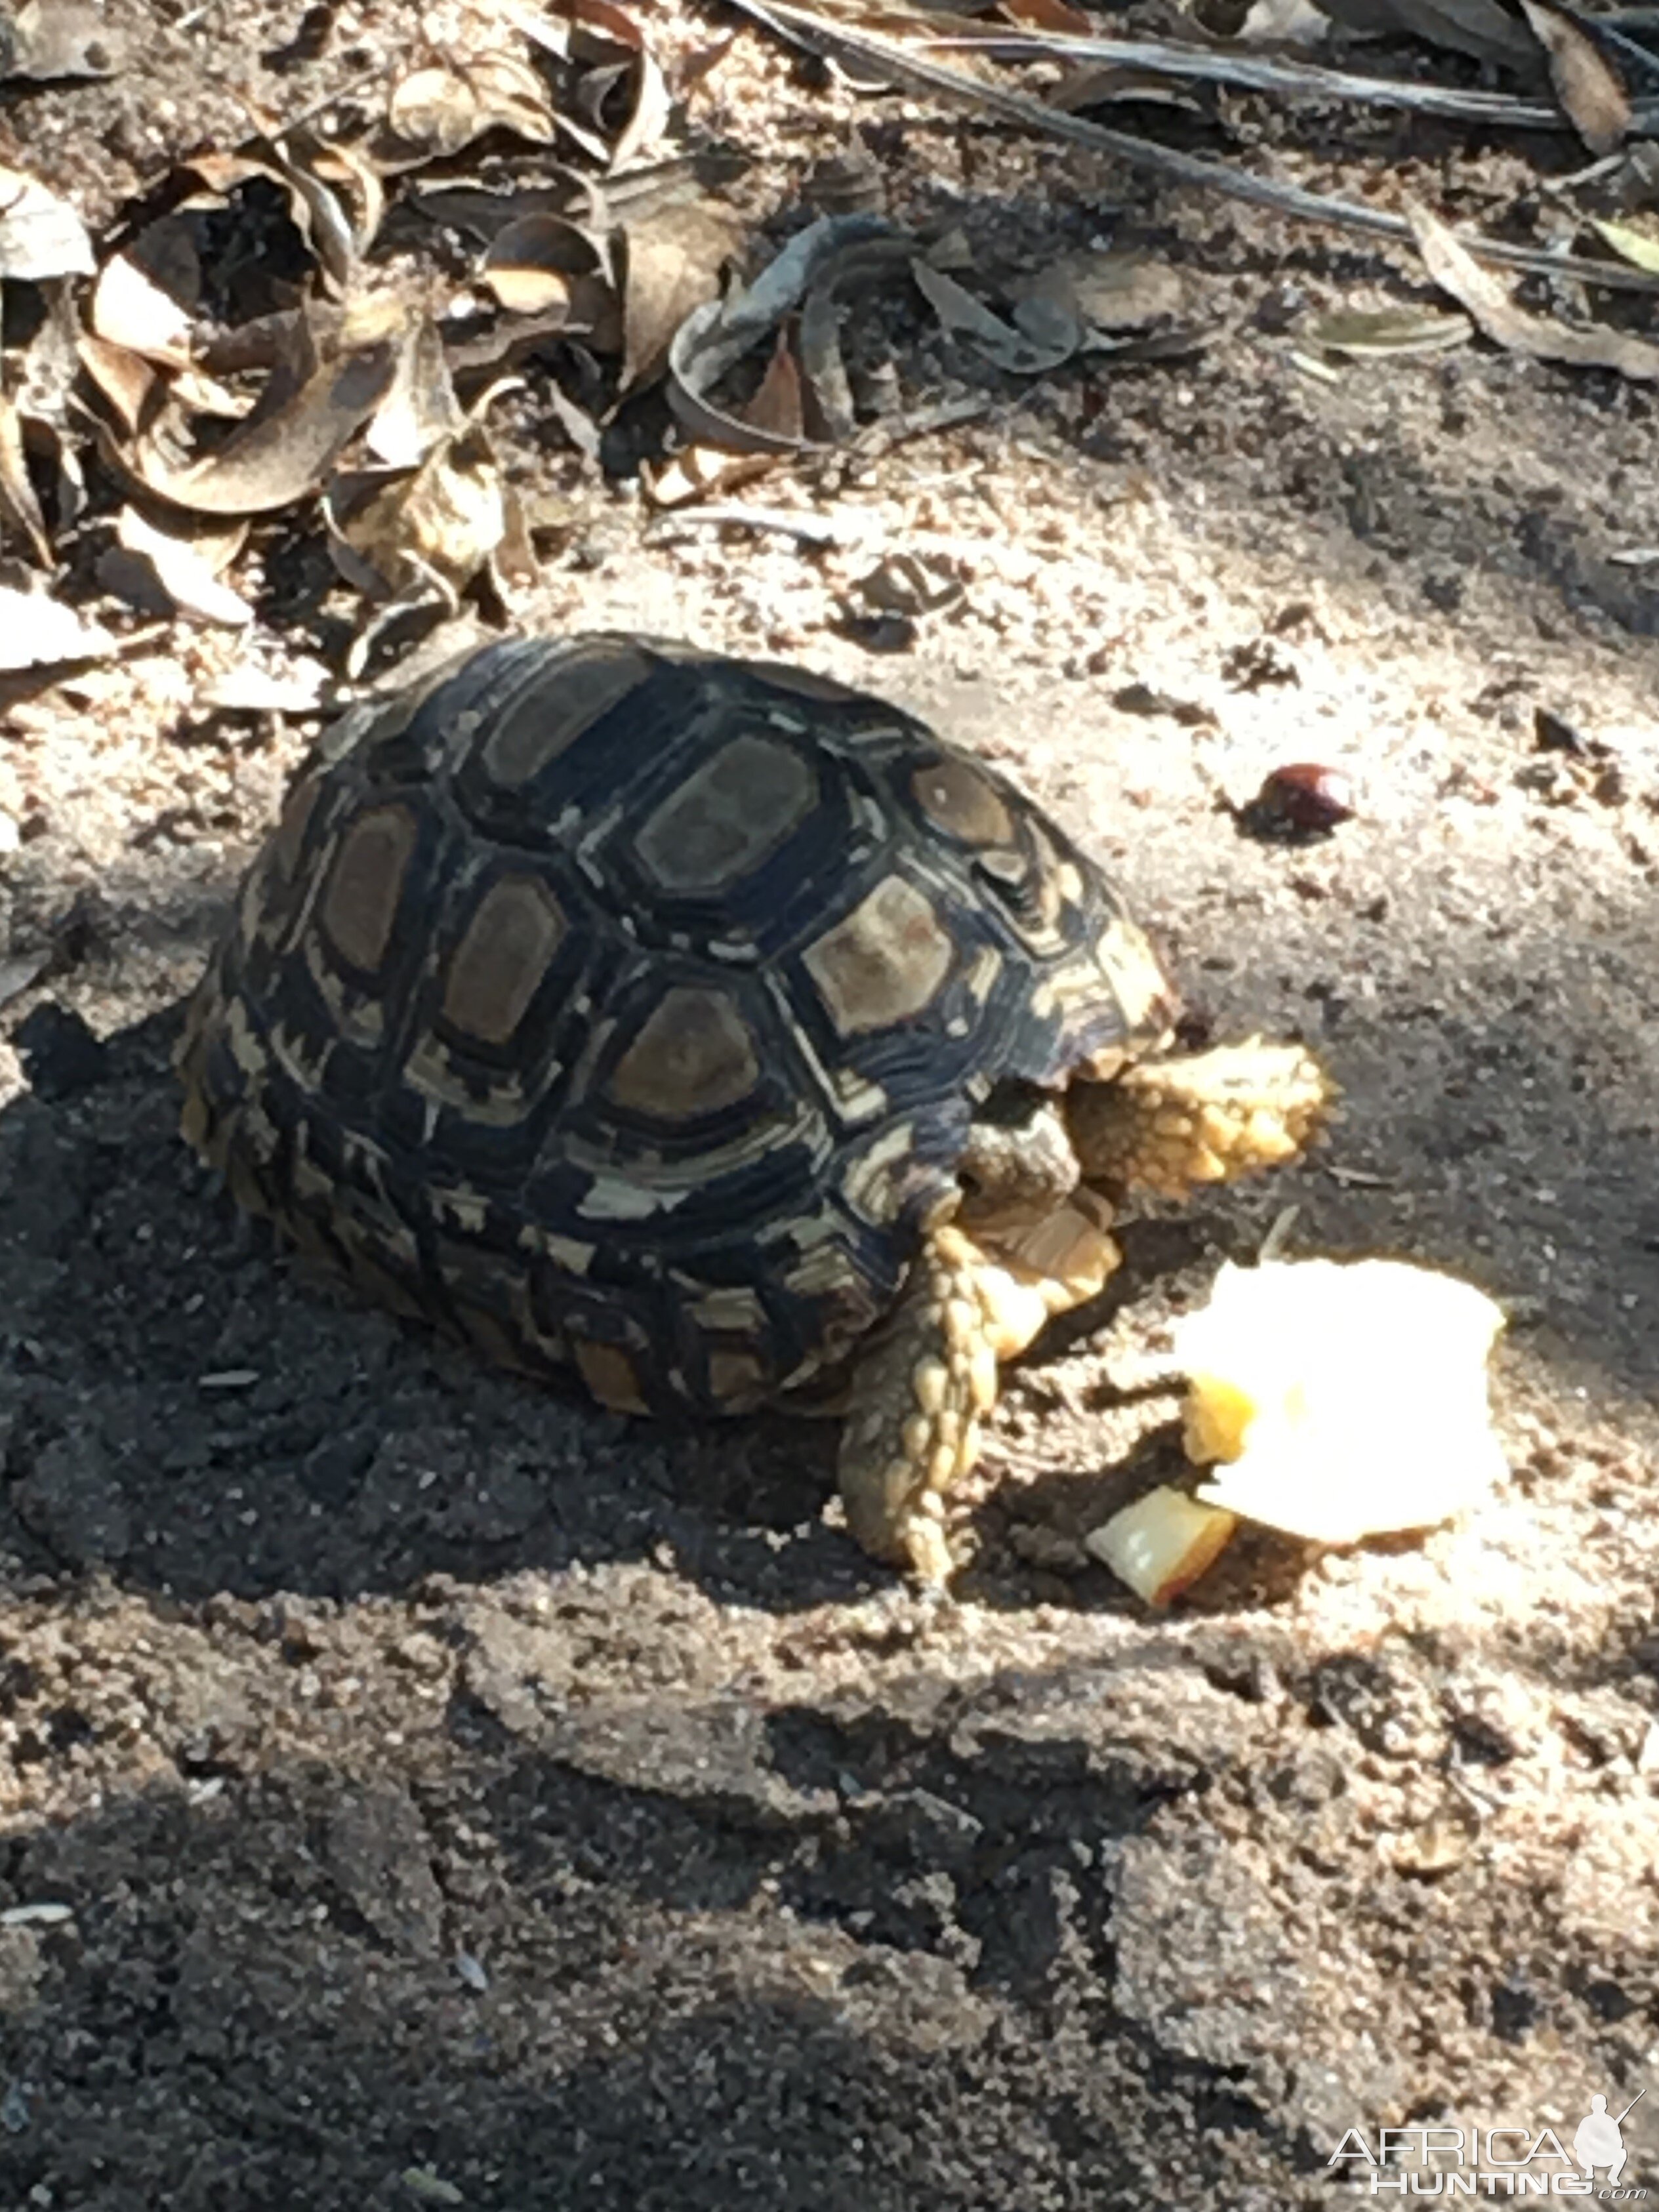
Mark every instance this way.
x=928 y=1378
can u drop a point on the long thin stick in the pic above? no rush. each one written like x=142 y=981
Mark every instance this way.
x=1262 y=73
x=890 y=59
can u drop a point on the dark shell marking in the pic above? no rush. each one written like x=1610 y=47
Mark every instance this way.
x=618 y=1005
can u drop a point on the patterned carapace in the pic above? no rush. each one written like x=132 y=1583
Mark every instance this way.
x=622 y=1006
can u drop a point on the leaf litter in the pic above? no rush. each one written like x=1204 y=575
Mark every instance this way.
x=604 y=261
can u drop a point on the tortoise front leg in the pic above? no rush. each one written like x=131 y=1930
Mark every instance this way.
x=927 y=1379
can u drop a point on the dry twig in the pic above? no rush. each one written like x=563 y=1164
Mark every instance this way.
x=901 y=65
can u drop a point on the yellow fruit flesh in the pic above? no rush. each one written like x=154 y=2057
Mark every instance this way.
x=1339 y=1400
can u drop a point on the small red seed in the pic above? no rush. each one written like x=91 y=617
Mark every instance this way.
x=1303 y=796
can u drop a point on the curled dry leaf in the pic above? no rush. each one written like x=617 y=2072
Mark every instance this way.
x=41 y=236
x=419 y=409
x=1363 y=330
x=673 y=259
x=356 y=184
x=649 y=109
x=284 y=449
x=1457 y=270
x=1639 y=247
x=20 y=505
x=697 y=66
x=542 y=264
x=147 y=295
x=36 y=421
x=721 y=429
x=36 y=631
x=776 y=406
x=169 y=568
x=747 y=316
x=426 y=534
x=1103 y=295
x=127 y=380
x=1590 y=90
x=435 y=111
x=1587 y=85
x=1100 y=84
x=321 y=217
x=714 y=336
x=831 y=411
x=698 y=472
x=1020 y=352
x=772 y=419
x=316 y=209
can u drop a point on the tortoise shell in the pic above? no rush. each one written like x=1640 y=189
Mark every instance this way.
x=620 y=1006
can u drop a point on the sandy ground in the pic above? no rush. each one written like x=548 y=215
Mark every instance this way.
x=423 y=1789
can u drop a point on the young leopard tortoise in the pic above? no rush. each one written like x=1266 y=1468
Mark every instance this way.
x=714 y=1029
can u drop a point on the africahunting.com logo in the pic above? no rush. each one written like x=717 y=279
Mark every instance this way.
x=1450 y=2162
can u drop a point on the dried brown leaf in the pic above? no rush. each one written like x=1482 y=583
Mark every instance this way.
x=172 y=566
x=36 y=631
x=419 y=409
x=649 y=112
x=513 y=561
x=714 y=336
x=616 y=24
x=673 y=257
x=434 y=111
x=317 y=210
x=126 y=380
x=336 y=164
x=1457 y=270
x=1098 y=83
x=1589 y=89
x=319 y=215
x=776 y=406
x=19 y=503
x=695 y=68
x=1364 y=331
x=1639 y=247
x=964 y=316
x=283 y=452
x=696 y=472
x=436 y=527
x=41 y=236
x=542 y=264
x=1107 y=292
x=146 y=295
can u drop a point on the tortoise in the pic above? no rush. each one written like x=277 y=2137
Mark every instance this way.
x=714 y=1030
